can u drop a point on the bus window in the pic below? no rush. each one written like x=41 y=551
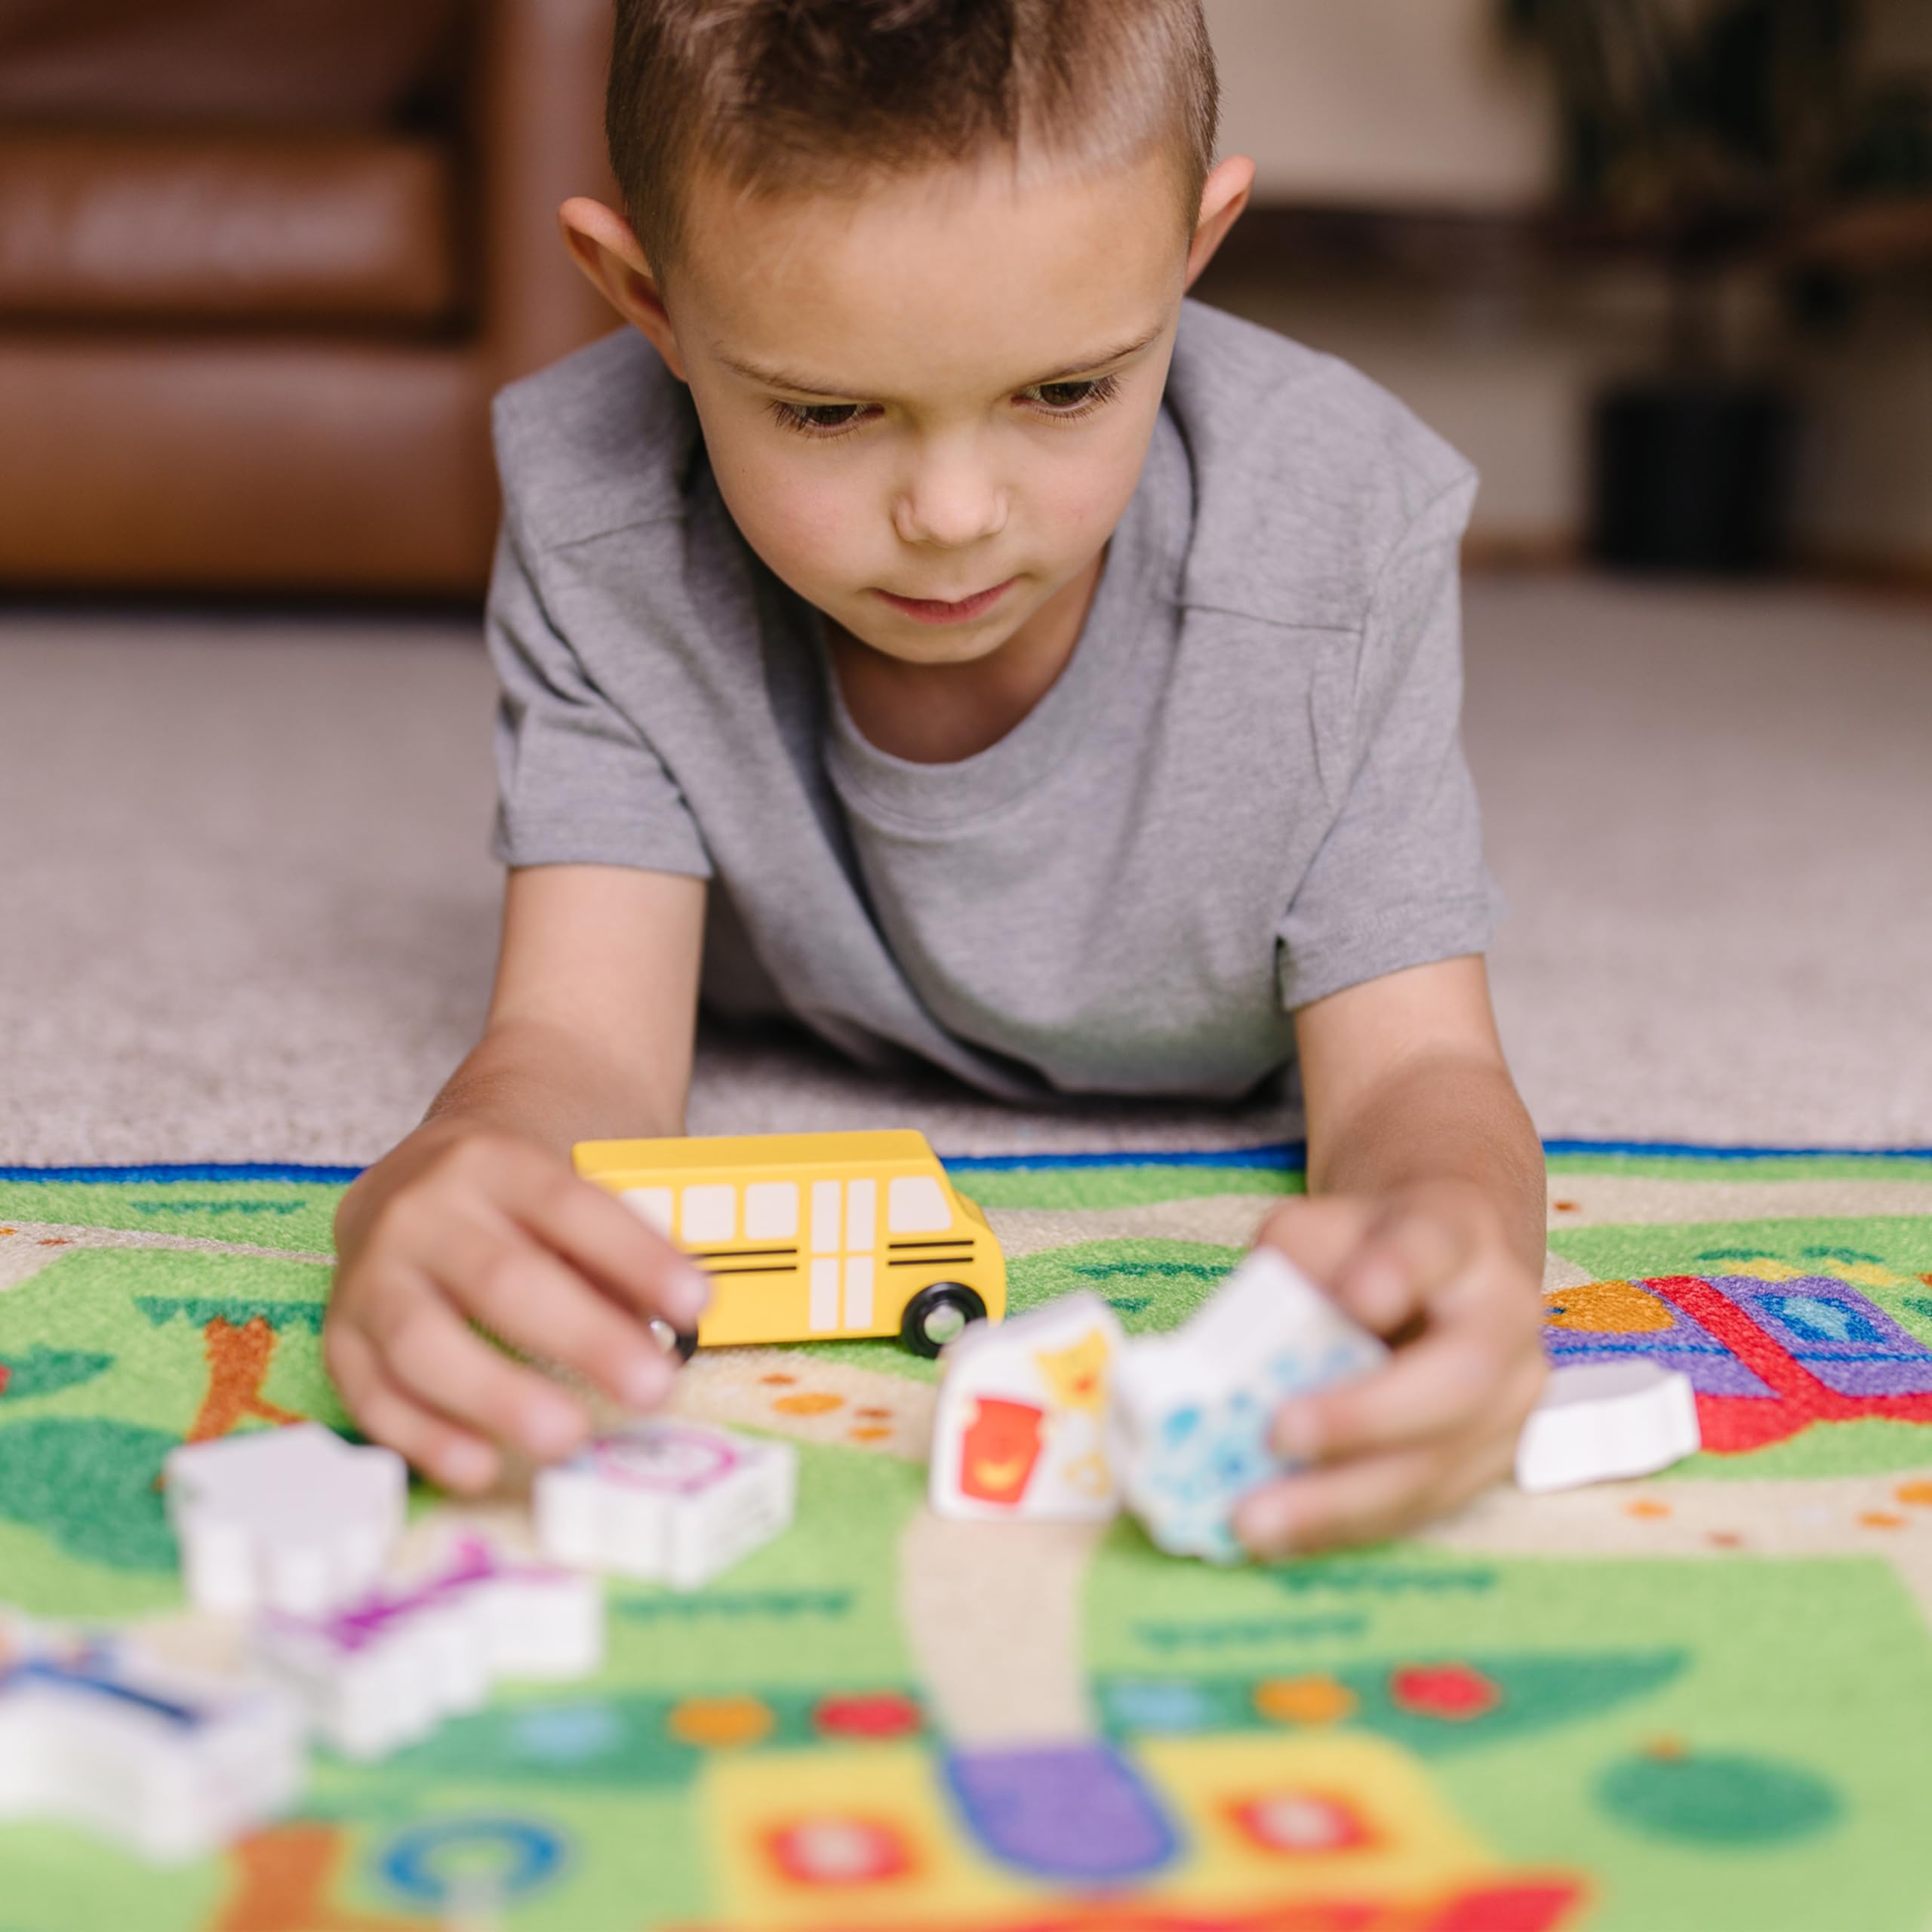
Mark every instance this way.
x=823 y=1312
x=862 y=1215
x=825 y=1217
x=916 y=1204
x=771 y=1210
x=709 y=1213
x=652 y=1205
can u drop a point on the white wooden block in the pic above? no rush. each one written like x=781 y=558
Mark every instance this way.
x=1601 y=1420
x=1021 y=1430
x=1196 y=1406
x=674 y=1502
x=169 y=1763
x=387 y=1669
x=294 y=1519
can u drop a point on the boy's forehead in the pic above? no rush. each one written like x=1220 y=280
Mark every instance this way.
x=972 y=278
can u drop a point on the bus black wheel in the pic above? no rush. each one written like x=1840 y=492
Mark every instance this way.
x=939 y=1315
x=681 y=1342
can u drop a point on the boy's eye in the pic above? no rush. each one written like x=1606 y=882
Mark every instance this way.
x=1073 y=398
x=820 y=419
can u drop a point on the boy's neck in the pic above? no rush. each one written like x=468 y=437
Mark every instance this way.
x=938 y=714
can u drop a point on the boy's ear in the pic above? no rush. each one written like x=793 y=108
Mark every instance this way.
x=602 y=245
x=1224 y=196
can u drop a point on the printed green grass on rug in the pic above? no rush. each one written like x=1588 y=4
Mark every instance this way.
x=1691 y=1705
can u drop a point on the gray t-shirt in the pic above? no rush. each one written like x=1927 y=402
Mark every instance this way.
x=1245 y=789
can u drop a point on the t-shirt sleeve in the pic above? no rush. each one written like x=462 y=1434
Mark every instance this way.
x=578 y=782
x=1399 y=880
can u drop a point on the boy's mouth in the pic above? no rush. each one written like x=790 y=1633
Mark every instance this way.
x=937 y=611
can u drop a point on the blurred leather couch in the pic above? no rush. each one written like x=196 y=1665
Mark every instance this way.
x=261 y=263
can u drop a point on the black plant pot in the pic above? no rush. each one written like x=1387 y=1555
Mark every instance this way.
x=1689 y=474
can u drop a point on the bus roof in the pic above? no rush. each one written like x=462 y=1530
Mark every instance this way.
x=707 y=1152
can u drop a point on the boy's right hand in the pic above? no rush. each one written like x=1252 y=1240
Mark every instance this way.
x=497 y=1230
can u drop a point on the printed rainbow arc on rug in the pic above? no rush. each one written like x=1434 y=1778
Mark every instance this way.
x=1694 y=1703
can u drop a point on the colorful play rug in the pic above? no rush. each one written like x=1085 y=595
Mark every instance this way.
x=1699 y=1702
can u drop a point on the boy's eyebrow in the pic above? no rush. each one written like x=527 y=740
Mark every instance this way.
x=799 y=384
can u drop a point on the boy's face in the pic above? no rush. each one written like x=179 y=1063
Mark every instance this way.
x=927 y=407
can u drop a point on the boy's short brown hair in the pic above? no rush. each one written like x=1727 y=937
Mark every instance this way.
x=777 y=95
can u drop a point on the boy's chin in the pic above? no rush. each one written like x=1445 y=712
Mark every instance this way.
x=909 y=642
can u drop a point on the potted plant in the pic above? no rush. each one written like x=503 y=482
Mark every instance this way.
x=1712 y=137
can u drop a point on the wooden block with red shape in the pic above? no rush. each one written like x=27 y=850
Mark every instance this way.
x=673 y=1503
x=1022 y=1429
x=169 y=1763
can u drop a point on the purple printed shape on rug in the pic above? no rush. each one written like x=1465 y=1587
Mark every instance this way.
x=1845 y=1340
x=1076 y=1811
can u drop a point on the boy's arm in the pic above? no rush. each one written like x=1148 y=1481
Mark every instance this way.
x=476 y=1216
x=1425 y=1219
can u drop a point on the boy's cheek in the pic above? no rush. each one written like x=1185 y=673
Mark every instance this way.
x=1074 y=501
x=810 y=531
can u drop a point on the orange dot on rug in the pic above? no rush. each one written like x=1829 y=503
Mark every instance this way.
x=1645 y=1505
x=1617 y=1308
x=808 y=1405
x=1880 y=1519
x=1918 y=1491
x=716 y=1724
x=1317 y=1698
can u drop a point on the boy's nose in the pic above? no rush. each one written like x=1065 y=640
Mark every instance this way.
x=950 y=502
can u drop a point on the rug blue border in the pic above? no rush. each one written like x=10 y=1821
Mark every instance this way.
x=1293 y=1153
x=1290 y=1154
x=190 y=1171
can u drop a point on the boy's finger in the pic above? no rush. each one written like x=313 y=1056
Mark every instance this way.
x=437 y=1361
x=599 y=1235
x=1404 y=1257
x=1369 y=1499
x=527 y=1296
x=1361 y=1501
x=1443 y=1384
x=1317 y=1235
x=443 y=1452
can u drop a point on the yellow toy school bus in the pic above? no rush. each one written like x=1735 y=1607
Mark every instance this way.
x=806 y=1237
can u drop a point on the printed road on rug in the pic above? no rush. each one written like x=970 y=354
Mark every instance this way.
x=1685 y=1705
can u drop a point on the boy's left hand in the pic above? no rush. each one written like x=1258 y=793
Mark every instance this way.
x=1431 y=1271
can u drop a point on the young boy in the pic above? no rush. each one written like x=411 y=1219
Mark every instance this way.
x=921 y=622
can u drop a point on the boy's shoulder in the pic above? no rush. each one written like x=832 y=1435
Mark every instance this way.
x=599 y=442
x=1307 y=475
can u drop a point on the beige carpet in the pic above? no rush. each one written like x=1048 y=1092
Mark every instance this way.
x=246 y=912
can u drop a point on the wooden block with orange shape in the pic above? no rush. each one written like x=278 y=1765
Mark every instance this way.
x=1022 y=1428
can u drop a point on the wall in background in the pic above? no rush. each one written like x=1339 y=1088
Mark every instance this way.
x=1414 y=106
x=1412 y=102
